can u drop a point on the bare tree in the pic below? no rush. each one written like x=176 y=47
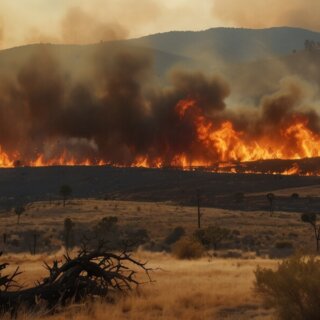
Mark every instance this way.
x=271 y=197
x=68 y=228
x=19 y=211
x=65 y=192
x=198 y=194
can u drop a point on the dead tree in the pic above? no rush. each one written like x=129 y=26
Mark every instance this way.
x=90 y=274
x=65 y=191
x=19 y=211
x=67 y=230
x=271 y=197
x=199 y=208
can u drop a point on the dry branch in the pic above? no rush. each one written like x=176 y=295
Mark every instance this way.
x=90 y=274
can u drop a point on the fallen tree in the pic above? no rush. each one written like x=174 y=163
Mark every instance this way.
x=94 y=273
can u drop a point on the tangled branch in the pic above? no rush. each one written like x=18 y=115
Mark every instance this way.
x=94 y=273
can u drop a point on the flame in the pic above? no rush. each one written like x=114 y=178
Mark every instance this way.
x=219 y=145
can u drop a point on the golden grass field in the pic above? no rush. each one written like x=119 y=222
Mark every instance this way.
x=200 y=289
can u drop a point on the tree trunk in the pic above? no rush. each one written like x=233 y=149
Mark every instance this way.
x=199 y=213
x=317 y=237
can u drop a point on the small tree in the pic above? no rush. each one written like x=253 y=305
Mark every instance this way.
x=271 y=197
x=65 y=192
x=19 y=211
x=68 y=228
x=311 y=218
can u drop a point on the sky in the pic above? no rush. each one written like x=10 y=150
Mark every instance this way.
x=89 y=21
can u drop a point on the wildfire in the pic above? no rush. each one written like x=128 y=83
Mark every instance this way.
x=217 y=145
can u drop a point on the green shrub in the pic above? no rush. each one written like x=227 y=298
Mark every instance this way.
x=187 y=248
x=293 y=289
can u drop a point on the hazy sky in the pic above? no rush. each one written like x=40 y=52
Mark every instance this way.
x=85 y=21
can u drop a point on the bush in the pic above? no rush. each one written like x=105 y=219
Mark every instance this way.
x=175 y=235
x=187 y=248
x=136 y=236
x=284 y=245
x=293 y=289
x=212 y=236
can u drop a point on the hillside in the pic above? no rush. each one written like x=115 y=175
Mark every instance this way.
x=230 y=44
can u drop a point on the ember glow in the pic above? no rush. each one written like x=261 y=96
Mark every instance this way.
x=214 y=147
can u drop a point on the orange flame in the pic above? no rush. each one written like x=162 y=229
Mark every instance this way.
x=215 y=144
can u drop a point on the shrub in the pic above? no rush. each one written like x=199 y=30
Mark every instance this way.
x=175 y=235
x=293 y=289
x=212 y=236
x=284 y=245
x=136 y=236
x=187 y=248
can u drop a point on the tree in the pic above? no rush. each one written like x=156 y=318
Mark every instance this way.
x=199 y=208
x=311 y=218
x=19 y=211
x=107 y=230
x=212 y=236
x=65 y=192
x=68 y=228
x=271 y=197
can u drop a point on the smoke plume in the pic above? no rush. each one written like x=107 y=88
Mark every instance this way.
x=118 y=114
x=260 y=13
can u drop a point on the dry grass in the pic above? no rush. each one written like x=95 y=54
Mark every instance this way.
x=159 y=219
x=201 y=289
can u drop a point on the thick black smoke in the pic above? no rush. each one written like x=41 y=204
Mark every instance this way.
x=116 y=113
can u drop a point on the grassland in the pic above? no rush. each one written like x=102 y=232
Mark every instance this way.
x=202 y=289
x=218 y=286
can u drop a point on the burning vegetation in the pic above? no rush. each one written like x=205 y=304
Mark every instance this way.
x=118 y=115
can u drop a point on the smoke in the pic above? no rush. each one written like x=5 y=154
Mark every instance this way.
x=78 y=26
x=78 y=21
x=117 y=113
x=1 y=32
x=260 y=13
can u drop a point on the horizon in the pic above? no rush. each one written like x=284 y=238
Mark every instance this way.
x=158 y=33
